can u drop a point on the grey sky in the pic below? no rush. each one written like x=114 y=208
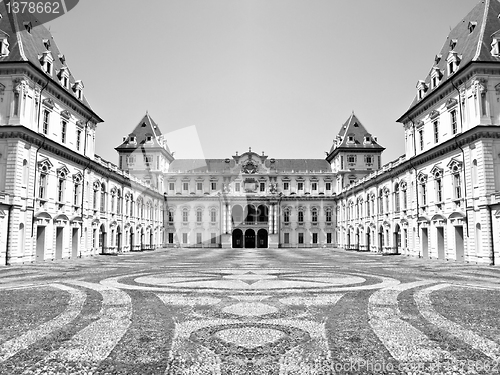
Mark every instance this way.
x=279 y=76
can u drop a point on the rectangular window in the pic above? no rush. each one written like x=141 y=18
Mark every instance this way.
x=314 y=186
x=435 y=124
x=328 y=186
x=60 y=190
x=184 y=238
x=328 y=238
x=301 y=238
x=405 y=198
x=185 y=186
x=286 y=185
x=170 y=216
x=423 y=190
x=351 y=159
x=315 y=238
x=301 y=216
x=213 y=216
x=262 y=186
x=237 y=186
x=64 y=126
x=421 y=138
x=46 y=118
x=439 y=190
x=199 y=216
x=213 y=186
x=213 y=238
x=198 y=238
x=328 y=216
x=79 y=139
x=76 y=194
x=286 y=238
x=199 y=186
x=454 y=124
x=315 y=216
x=457 y=184
x=286 y=216
x=300 y=186
x=185 y=216
x=170 y=238
x=43 y=185
x=369 y=159
x=171 y=186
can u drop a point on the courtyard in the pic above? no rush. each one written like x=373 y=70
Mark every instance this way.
x=249 y=311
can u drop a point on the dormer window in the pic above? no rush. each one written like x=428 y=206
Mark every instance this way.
x=63 y=75
x=78 y=89
x=436 y=76
x=132 y=139
x=149 y=138
x=422 y=88
x=62 y=59
x=495 y=47
x=350 y=139
x=46 y=43
x=46 y=60
x=453 y=62
x=28 y=26
x=471 y=26
x=367 y=139
x=453 y=44
x=437 y=59
x=4 y=47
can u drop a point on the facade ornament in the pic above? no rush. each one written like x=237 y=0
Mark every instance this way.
x=451 y=102
x=272 y=188
x=250 y=167
x=480 y=86
x=20 y=86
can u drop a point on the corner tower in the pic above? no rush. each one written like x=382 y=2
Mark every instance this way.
x=144 y=153
x=355 y=153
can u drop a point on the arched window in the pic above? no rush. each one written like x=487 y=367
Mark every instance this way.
x=314 y=213
x=119 y=202
x=301 y=216
x=286 y=215
x=474 y=172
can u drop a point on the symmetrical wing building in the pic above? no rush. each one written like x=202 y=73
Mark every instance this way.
x=439 y=200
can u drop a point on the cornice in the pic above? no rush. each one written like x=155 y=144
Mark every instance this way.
x=25 y=134
x=454 y=144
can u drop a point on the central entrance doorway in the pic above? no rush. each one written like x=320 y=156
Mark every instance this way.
x=249 y=239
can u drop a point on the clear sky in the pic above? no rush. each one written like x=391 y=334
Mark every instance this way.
x=280 y=76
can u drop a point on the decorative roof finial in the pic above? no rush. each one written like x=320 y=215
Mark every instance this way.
x=249 y=149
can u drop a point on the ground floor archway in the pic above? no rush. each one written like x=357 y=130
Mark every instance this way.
x=237 y=239
x=250 y=239
x=262 y=238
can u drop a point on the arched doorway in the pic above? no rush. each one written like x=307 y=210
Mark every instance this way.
x=368 y=239
x=250 y=239
x=357 y=240
x=381 y=239
x=142 y=239
x=397 y=238
x=131 y=239
x=102 y=238
x=151 y=246
x=262 y=238
x=237 y=239
x=119 y=239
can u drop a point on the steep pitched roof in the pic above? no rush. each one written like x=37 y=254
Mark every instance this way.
x=471 y=38
x=355 y=129
x=27 y=46
x=145 y=127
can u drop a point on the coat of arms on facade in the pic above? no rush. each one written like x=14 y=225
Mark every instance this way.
x=250 y=167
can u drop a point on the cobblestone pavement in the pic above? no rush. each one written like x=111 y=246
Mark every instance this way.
x=250 y=311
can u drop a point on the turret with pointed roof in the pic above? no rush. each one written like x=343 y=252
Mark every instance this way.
x=145 y=153
x=354 y=153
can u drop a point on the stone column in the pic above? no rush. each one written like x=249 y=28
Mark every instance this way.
x=224 y=223
x=229 y=219
x=275 y=219
x=270 y=218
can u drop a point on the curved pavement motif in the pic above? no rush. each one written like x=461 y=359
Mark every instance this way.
x=244 y=320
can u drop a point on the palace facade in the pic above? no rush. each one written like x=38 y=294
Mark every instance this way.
x=439 y=200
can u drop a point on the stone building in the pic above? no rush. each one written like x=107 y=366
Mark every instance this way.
x=442 y=198
x=57 y=198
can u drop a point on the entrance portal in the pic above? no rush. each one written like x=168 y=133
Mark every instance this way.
x=250 y=239
x=262 y=238
x=237 y=239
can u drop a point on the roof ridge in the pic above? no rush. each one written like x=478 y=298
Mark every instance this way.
x=18 y=37
x=483 y=28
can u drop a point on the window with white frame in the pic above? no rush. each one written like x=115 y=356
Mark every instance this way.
x=64 y=128
x=396 y=198
x=435 y=125
x=454 y=124
x=199 y=216
x=301 y=216
x=314 y=215
x=237 y=187
x=300 y=186
x=328 y=186
x=328 y=215
x=46 y=120
x=457 y=185
x=314 y=186
x=421 y=138
x=42 y=186
x=185 y=215
x=286 y=185
x=262 y=186
x=103 y=198
x=286 y=216
x=171 y=186
x=213 y=185
x=213 y=216
x=185 y=186
x=351 y=159
x=199 y=186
